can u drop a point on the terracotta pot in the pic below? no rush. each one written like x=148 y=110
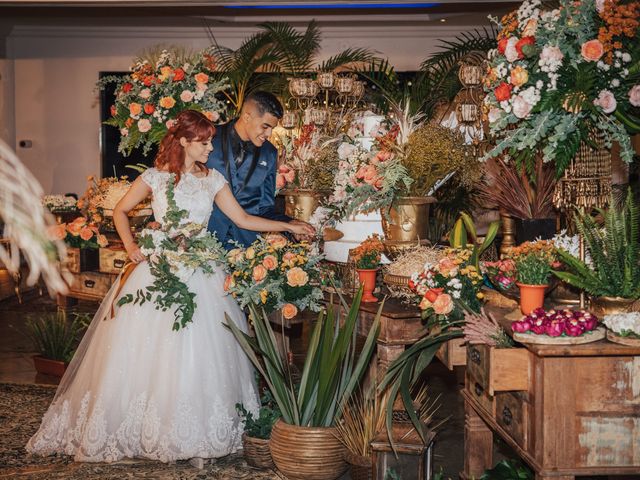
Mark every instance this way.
x=256 y=452
x=368 y=281
x=300 y=204
x=406 y=223
x=531 y=297
x=47 y=366
x=307 y=453
x=601 y=306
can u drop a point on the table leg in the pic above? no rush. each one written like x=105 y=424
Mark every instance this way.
x=478 y=444
x=386 y=354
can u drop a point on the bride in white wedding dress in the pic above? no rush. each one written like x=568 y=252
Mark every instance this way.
x=135 y=387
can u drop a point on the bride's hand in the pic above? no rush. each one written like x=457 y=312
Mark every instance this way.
x=135 y=255
x=301 y=230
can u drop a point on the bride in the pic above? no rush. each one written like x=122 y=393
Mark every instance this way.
x=135 y=387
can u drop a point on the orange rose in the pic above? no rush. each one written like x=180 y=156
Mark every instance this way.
x=148 y=80
x=128 y=122
x=201 y=77
x=127 y=87
x=289 y=259
x=113 y=110
x=58 y=232
x=502 y=92
x=86 y=233
x=276 y=241
x=519 y=76
x=165 y=72
x=259 y=273
x=149 y=108
x=228 y=283
x=135 y=109
x=74 y=228
x=443 y=304
x=270 y=262
x=592 y=50
x=102 y=241
x=425 y=303
x=167 y=102
x=296 y=277
x=178 y=74
x=289 y=310
x=433 y=293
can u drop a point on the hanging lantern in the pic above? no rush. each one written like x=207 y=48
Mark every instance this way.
x=289 y=119
x=298 y=87
x=412 y=459
x=470 y=75
x=318 y=116
x=344 y=85
x=312 y=88
x=468 y=106
x=325 y=80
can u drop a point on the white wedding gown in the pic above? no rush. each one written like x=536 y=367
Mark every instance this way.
x=137 y=388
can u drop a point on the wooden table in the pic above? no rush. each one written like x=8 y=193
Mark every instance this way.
x=567 y=410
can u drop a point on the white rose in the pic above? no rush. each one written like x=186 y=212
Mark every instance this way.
x=494 y=115
x=345 y=150
x=186 y=95
x=634 y=96
x=606 y=101
x=510 y=51
x=551 y=53
x=521 y=108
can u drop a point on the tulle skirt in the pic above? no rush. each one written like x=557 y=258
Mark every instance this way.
x=136 y=388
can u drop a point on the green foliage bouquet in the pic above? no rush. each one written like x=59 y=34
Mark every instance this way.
x=534 y=262
x=562 y=77
x=159 y=88
x=275 y=274
x=174 y=253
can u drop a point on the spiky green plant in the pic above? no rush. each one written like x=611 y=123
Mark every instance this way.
x=330 y=373
x=54 y=335
x=614 y=246
x=465 y=229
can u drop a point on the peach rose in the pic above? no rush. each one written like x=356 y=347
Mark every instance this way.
x=186 y=95
x=280 y=181
x=76 y=226
x=128 y=122
x=634 y=96
x=135 y=109
x=201 y=77
x=607 y=101
x=425 y=303
x=276 y=241
x=212 y=116
x=592 y=50
x=296 y=277
x=167 y=102
x=289 y=310
x=519 y=76
x=270 y=262
x=289 y=259
x=447 y=267
x=165 y=73
x=58 y=232
x=86 y=233
x=144 y=125
x=102 y=241
x=228 y=283
x=443 y=304
x=259 y=273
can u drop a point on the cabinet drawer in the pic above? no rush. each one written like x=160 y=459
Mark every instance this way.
x=499 y=369
x=112 y=260
x=91 y=283
x=480 y=395
x=512 y=414
x=453 y=353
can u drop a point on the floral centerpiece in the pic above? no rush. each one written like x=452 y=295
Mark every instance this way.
x=554 y=323
x=157 y=90
x=59 y=203
x=557 y=77
x=502 y=274
x=447 y=288
x=174 y=253
x=624 y=324
x=80 y=233
x=366 y=258
x=275 y=274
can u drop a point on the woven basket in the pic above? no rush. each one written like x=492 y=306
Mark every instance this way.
x=256 y=452
x=360 y=466
x=307 y=453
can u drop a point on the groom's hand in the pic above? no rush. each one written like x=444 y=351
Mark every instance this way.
x=304 y=230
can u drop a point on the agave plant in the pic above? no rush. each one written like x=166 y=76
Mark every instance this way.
x=330 y=373
x=54 y=335
x=614 y=247
x=465 y=228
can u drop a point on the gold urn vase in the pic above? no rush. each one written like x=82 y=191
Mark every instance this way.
x=406 y=223
x=601 y=306
x=301 y=203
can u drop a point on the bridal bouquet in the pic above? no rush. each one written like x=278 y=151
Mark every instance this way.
x=448 y=287
x=174 y=253
x=157 y=90
x=562 y=77
x=275 y=274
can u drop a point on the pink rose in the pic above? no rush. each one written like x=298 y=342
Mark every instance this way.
x=521 y=108
x=634 y=96
x=606 y=101
x=592 y=50
x=600 y=5
x=186 y=95
x=443 y=304
x=170 y=123
x=551 y=54
x=145 y=93
x=144 y=125
x=280 y=181
x=521 y=326
x=554 y=329
x=290 y=176
x=510 y=50
x=494 y=115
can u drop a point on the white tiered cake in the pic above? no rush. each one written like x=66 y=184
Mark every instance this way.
x=358 y=228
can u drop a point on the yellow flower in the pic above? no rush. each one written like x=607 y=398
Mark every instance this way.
x=165 y=72
x=263 y=296
x=480 y=295
x=250 y=253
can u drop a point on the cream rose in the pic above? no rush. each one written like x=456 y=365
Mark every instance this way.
x=296 y=277
x=144 y=125
x=606 y=101
x=519 y=76
x=521 y=108
x=186 y=95
x=634 y=96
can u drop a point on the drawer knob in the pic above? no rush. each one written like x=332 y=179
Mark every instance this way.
x=507 y=416
x=118 y=263
x=89 y=283
x=478 y=389
x=475 y=356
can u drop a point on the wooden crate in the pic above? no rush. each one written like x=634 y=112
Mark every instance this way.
x=112 y=260
x=75 y=262
x=499 y=369
x=453 y=353
x=92 y=285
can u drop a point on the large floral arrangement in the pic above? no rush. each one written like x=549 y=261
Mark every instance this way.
x=157 y=90
x=103 y=194
x=562 y=77
x=275 y=274
x=80 y=233
x=448 y=287
x=174 y=252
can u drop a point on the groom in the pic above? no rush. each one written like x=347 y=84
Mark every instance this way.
x=247 y=160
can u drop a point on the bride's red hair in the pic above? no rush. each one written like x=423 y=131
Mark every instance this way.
x=191 y=125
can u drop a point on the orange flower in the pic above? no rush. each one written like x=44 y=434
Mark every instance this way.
x=58 y=232
x=289 y=259
x=519 y=76
x=289 y=310
x=135 y=109
x=86 y=233
x=178 y=74
x=149 y=108
x=276 y=240
x=592 y=50
x=259 y=273
x=443 y=304
x=167 y=102
x=296 y=277
x=270 y=262
x=201 y=77
x=165 y=72
x=228 y=283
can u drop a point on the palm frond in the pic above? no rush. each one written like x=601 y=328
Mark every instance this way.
x=294 y=51
x=347 y=59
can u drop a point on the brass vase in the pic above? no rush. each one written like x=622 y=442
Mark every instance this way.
x=508 y=226
x=405 y=224
x=301 y=203
x=601 y=306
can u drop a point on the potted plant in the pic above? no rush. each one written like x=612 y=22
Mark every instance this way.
x=366 y=257
x=84 y=239
x=257 y=431
x=303 y=442
x=55 y=337
x=533 y=263
x=613 y=243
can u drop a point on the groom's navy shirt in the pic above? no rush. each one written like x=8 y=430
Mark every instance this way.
x=252 y=181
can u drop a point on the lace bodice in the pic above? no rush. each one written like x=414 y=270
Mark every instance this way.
x=193 y=194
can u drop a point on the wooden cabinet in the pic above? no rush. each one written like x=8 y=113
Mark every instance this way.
x=567 y=410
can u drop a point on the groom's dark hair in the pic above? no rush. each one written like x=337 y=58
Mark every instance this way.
x=266 y=103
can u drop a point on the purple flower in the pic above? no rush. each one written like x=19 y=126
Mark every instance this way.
x=521 y=326
x=573 y=330
x=554 y=329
